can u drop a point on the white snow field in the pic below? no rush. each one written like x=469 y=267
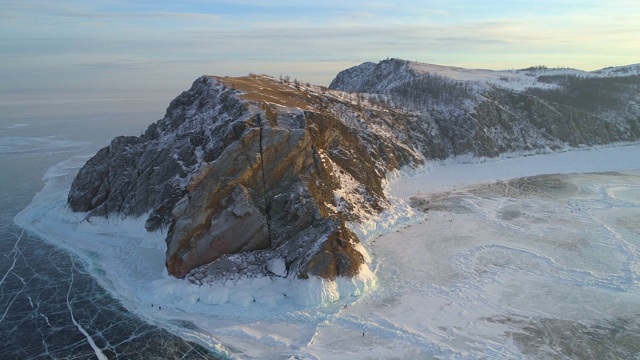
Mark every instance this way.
x=494 y=269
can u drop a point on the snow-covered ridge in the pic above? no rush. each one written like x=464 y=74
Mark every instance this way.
x=482 y=78
x=625 y=70
x=518 y=80
x=486 y=113
x=389 y=75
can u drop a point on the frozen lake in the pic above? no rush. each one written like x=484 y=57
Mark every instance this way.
x=46 y=293
x=540 y=266
x=545 y=266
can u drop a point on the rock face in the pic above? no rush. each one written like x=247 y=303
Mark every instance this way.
x=250 y=165
x=242 y=171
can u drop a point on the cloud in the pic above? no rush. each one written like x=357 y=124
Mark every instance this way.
x=112 y=43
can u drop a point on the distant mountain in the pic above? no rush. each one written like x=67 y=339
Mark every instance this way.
x=272 y=169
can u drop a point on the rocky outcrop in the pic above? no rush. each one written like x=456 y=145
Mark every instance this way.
x=242 y=171
x=231 y=172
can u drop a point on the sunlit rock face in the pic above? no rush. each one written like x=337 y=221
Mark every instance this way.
x=242 y=165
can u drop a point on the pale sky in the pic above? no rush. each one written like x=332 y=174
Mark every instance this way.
x=115 y=47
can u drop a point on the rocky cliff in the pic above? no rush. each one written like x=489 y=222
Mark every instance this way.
x=242 y=171
x=251 y=166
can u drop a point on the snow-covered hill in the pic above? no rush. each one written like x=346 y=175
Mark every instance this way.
x=486 y=112
x=518 y=80
x=626 y=70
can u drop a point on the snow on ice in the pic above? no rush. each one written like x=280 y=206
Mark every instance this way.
x=449 y=283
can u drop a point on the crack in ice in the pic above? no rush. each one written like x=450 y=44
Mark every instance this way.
x=15 y=252
x=92 y=343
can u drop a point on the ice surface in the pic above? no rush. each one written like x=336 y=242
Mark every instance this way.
x=483 y=273
x=24 y=145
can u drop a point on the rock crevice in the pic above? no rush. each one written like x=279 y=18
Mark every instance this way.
x=267 y=202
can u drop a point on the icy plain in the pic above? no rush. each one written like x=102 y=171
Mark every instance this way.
x=469 y=264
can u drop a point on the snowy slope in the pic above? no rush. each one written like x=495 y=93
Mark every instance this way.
x=519 y=80
x=394 y=73
x=626 y=70
x=485 y=79
x=486 y=112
